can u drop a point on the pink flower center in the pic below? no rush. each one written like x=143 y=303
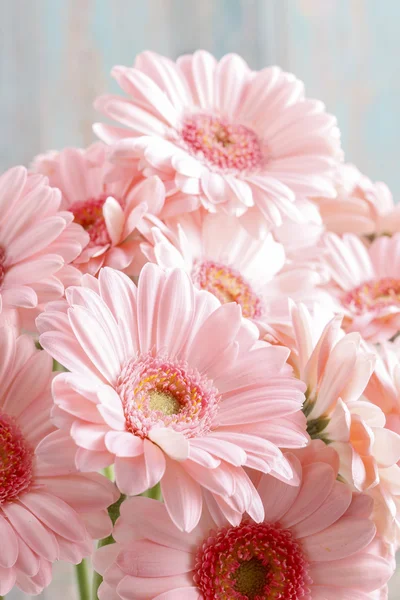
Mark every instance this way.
x=374 y=295
x=16 y=457
x=251 y=562
x=224 y=145
x=157 y=391
x=228 y=286
x=2 y=265
x=89 y=214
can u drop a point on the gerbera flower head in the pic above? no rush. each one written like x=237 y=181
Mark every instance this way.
x=222 y=136
x=47 y=513
x=170 y=386
x=383 y=390
x=337 y=369
x=361 y=206
x=37 y=241
x=111 y=207
x=365 y=283
x=315 y=542
x=223 y=258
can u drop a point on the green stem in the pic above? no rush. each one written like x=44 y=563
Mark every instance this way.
x=97 y=579
x=82 y=577
x=113 y=511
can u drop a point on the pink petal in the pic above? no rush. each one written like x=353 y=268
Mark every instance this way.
x=216 y=334
x=277 y=496
x=124 y=444
x=342 y=539
x=186 y=593
x=56 y=514
x=141 y=588
x=155 y=524
x=173 y=443
x=114 y=219
x=175 y=312
x=144 y=558
x=318 y=480
x=9 y=547
x=37 y=536
x=95 y=341
x=328 y=513
x=363 y=572
x=182 y=496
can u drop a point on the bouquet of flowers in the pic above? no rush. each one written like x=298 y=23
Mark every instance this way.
x=199 y=362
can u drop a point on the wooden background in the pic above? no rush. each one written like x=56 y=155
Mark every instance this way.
x=56 y=55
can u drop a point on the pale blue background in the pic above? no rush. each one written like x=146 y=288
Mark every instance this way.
x=55 y=57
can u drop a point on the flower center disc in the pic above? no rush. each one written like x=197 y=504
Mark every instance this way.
x=374 y=295
x=162 y=402
x=157 y=391
x=228 y=286
x=221 y=144
x=89 y=214
x=251 y=562
x=2 y=266
x=251 y=578
x=15 y=460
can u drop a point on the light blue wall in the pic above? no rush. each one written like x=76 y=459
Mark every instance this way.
x=55 y=57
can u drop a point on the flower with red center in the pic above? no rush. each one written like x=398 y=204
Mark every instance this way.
x=360 y=206
x=251 y=561
x=113 y=210
x=221 y=257
x=171 y=387
x=222 y=136
x=15 y=460
x=365 y=283
x=47 y=513
x=338 y=369
x=89 y=214
x=37 y=242
x=316 y=542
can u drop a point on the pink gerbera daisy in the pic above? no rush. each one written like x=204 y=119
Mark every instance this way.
x=170 y=386
x=316 y=542
x=361 y=206
x=110 y=211
x=383 y=390
x=46 y=513
x=221 y=135
x=365 y=283
x=337 y=369
x=221 y=257
x=37 y=240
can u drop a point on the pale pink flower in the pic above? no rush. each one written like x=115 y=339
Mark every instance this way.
x=383 y=390
x=110 y=209
x=360 y=206
x=337 y=369
x=365 y=283
x=37 y=241
x=223 y=258
x=46 y=513
x=170 y=386
x=316 y=542
x=222 y=136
